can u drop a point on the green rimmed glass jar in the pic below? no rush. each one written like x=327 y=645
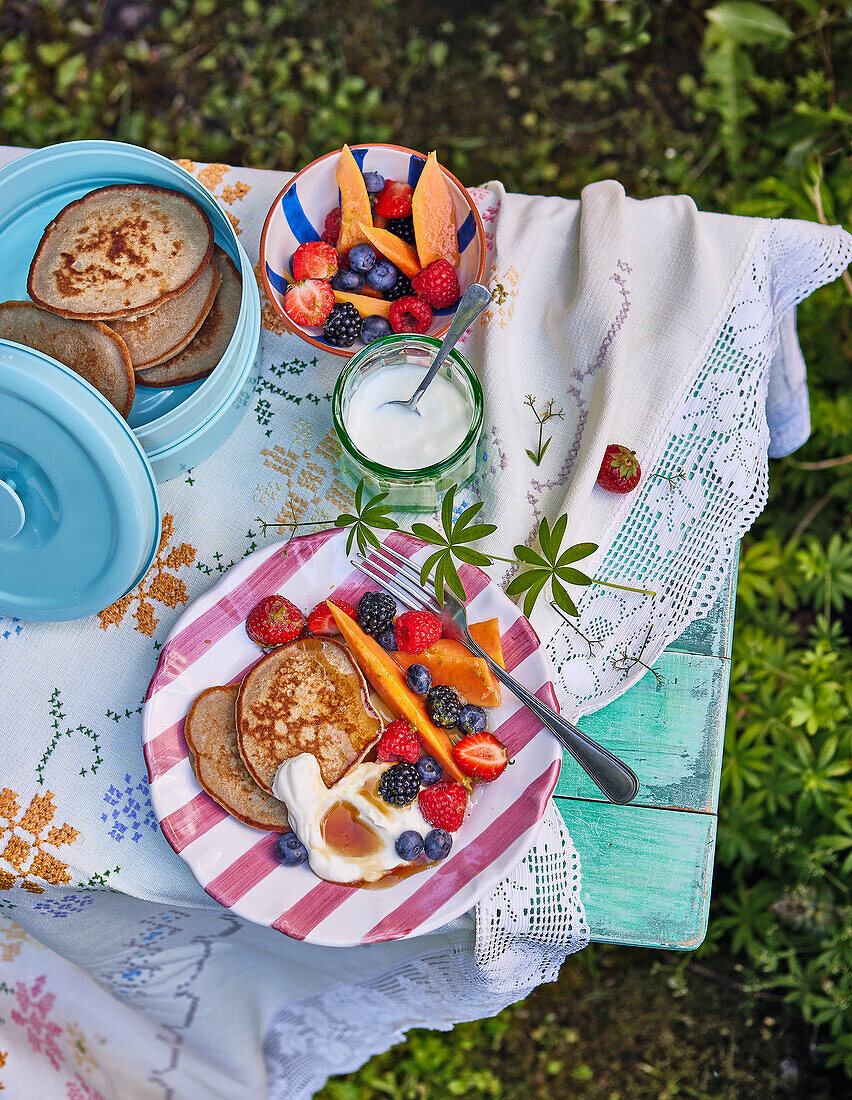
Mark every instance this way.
x=409 y=490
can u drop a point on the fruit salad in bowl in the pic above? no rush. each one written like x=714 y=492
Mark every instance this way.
x=367 y=241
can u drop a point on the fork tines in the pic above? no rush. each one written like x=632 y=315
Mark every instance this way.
x=403 y=583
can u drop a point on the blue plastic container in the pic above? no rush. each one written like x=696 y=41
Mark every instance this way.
x=170 y=429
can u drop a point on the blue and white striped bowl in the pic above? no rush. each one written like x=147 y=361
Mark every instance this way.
x=299 y=212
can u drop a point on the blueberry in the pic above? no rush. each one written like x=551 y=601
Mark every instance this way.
x=409 y=845
x=418 y=678
x=289 y=850
x=374 y=328
x=387 y=640
x=437 y=844
x=381 y=276
x=375 y=181
x=429 y=770
x=350 y=281
x=472 y=719
x=362 y=257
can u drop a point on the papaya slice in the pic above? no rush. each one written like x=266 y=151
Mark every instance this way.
x=487 y=637
x=393 y=249
x=452 y=663
x=434 y=216
x=388 y=680
x=355 y=206
x=366 y=306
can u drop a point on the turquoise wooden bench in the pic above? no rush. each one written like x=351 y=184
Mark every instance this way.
x=647 y=868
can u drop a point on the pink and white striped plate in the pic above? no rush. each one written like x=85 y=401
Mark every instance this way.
x=236 y=864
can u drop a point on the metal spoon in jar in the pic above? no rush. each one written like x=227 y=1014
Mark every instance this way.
x=474 y=300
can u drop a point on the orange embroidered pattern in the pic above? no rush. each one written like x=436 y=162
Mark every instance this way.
x=268 y=317
x=233 y=191
x=159 y=584
x=15 y=937
x=212 y=175
x=26 y=836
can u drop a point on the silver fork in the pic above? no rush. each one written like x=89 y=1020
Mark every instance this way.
x=611 y=775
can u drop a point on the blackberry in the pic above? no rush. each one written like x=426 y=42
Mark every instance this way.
x=400 y=289
x=376 y=612
x=399 y=784
x=402 y=228
x=342 y=326
x=443 y=705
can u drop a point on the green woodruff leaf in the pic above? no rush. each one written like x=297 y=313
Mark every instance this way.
x=452 y=542
x=550 y=566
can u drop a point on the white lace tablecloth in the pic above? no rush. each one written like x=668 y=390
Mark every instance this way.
x=122 y=977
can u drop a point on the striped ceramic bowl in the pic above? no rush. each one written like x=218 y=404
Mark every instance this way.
x=299 y=211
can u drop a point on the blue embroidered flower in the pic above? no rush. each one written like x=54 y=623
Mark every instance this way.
x=64 y=906
x=132 y=811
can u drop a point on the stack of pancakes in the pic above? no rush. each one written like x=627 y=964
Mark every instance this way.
x=307 y=696
x=128 y=287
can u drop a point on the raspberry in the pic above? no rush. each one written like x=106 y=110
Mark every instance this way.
x=321 y=621
x=331 y=229
x=437 y=284
x=443 y=805
x=309 y=302
x=274 y=621
x=416 y=631
x=410 y=315
x=314 y=260
x=395 y=200
x=399 y=742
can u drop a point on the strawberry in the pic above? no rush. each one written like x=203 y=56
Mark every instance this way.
x=443 y=805
x=416 y=631
x=399 y=742
x=274 y=621
x=410 y=314
x=309 y=302
x=481 y=755
x=331 y=228
x=437 y=284
x=314 y=260
x=394 y=201
x=620 y=470
x=321 y=622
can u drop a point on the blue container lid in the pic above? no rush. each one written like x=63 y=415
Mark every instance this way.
x=79 y=513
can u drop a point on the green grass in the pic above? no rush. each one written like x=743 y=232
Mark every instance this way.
x=746 y=107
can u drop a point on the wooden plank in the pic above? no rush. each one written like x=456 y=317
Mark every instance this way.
x=712 y=635
x=646 y=873
x=671 y=735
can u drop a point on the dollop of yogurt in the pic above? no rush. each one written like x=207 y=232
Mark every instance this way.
x=349 y=831
x=399 y=438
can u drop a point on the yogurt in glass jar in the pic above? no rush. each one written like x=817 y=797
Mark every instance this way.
x=414 y=458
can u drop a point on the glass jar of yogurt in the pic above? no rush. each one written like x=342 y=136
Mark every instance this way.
x=414 y=459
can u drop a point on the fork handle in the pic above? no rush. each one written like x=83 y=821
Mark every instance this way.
x=611 y=775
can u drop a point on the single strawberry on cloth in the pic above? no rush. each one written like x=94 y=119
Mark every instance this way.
x=664 y=332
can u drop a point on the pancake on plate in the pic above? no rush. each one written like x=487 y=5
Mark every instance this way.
x=120 y=251
x=89 y=348
x=159 y=335
x=306 y=696
x=207 y=347
x=211 y=736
